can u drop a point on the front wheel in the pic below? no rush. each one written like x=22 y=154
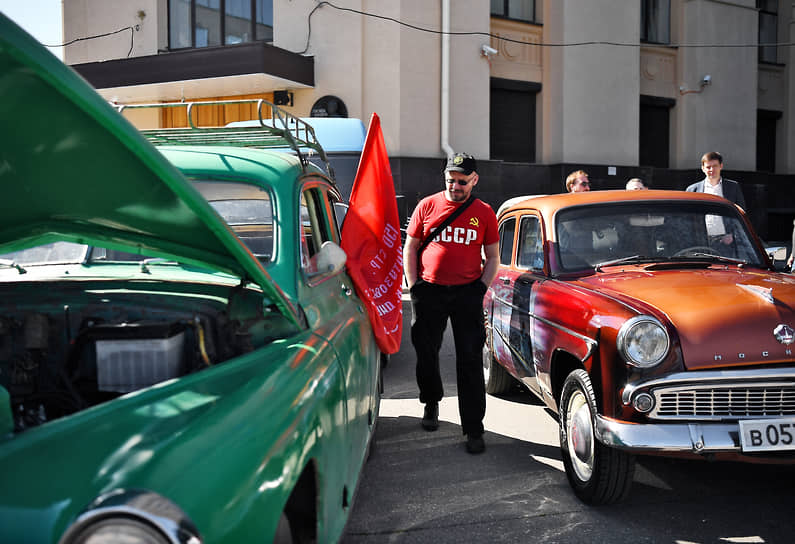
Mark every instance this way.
x=598 y=474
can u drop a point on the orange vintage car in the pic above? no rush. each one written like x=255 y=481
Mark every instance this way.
x=649 y=322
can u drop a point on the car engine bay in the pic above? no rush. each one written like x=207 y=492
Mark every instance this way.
x=68 y=347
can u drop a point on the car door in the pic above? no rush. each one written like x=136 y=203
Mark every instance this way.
x=335 y=312
x=527 y=276
x=520 y=271
x=503 y=295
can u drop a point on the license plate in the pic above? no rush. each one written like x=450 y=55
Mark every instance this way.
x=767 y=434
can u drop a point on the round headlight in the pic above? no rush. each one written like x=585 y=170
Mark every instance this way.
x=643 y=341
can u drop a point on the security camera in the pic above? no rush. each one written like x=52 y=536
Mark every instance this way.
x=707 y=80
x=488 y=51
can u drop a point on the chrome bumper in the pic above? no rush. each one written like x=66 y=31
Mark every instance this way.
x=669 y=437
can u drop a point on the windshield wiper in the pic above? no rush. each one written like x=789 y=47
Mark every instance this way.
x=713 y=256
x=154 y=260
x=12 y=264
x=632 y=258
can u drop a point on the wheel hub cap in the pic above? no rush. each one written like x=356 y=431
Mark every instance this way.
x=582 y=431
x=579 y=436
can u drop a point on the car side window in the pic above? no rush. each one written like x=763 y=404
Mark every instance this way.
x=507 y=228
x=318 y=225
x=530 y=252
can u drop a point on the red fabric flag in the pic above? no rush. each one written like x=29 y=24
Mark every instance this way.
x=371 y=239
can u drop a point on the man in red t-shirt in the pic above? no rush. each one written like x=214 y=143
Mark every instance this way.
x=448 y=280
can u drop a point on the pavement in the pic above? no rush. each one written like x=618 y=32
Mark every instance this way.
x=422 y=487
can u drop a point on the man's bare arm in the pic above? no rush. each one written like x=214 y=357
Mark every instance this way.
x=492 y=252
x=410 y=260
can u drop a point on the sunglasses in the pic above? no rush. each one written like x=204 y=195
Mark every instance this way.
x=461 y=182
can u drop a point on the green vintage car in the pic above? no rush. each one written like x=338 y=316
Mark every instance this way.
x=168 y=376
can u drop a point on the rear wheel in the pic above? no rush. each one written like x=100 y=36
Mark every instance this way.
x=496 y=377
x=598 y=474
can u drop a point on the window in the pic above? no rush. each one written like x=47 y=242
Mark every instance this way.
x=317 y=227
x=531 y=246
x=507 y=229
x=766 y=121
x=655 y=21
x=768 y=20
x=247 y=209
x=207 y=23
x=521 y=10
x=654 y=131
x=512 y=120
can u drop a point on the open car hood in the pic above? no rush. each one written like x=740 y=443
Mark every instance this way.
x=74 y=169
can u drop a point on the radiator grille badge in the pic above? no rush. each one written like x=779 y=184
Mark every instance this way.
x=784 y=334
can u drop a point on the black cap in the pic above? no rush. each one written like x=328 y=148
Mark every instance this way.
x=461 y=162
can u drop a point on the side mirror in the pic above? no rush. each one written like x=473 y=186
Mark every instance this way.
x=330 y=259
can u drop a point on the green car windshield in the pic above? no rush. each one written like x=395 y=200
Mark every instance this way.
x=247 y=209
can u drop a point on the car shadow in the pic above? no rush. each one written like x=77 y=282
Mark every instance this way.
x=423 y=487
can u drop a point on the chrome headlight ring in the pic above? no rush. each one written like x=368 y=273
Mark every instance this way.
x=643 y=341
x=140 y=517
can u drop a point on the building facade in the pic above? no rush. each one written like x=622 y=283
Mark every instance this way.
x=533 y=88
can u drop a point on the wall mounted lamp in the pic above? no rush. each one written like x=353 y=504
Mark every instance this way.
x=283 y=98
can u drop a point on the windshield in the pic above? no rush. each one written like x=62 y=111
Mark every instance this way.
x=247 y=209
x=588 y=236
x=55 y=253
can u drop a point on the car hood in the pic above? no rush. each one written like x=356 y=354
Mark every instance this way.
x=72 y=168
x=723 y=316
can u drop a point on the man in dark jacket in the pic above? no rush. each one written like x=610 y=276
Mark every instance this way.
x=714 y=183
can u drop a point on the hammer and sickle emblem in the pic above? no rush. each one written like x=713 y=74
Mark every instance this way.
x=473 y=221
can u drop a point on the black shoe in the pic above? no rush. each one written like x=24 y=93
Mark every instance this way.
x=475 y=444
x=430 y=420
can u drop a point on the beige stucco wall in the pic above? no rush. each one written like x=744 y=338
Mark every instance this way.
x=92 y=18
x=590 y=95
x=723 y=116
x=378 y=66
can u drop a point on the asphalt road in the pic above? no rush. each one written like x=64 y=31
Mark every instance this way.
x=422 y=486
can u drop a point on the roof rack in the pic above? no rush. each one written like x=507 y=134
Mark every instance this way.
x=282 y=131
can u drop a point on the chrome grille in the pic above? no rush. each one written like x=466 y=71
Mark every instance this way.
x=724 y=401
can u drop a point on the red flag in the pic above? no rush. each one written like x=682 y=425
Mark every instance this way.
x=371 y=239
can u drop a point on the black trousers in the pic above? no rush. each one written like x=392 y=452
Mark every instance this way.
x=432 y=305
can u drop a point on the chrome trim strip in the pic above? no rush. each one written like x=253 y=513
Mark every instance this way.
x=701 y=378
x=669 y=437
